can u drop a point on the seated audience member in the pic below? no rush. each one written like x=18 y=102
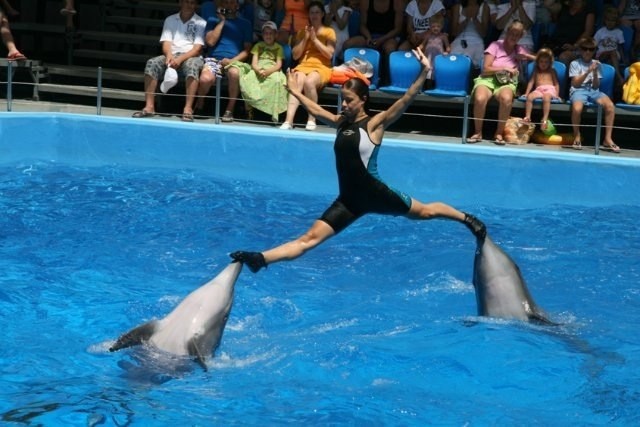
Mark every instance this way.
x=182 y=40
x=585 y=75
x=630 y=17
x=610 y=41
x=469 y=25
x=295 y=17
x=574 y=21
x=263 y=11
x=262 y=83
x=313 y=49
x=435 y=43
x=544 y=84
x=498 y=79
x=229 y=37
x=337 y=15
x=13 y=53
x=418 y=16
x=380 y=26
x=521 y=10
x=9 y=10
x=69 y=12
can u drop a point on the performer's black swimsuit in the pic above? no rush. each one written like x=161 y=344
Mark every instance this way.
x=361 y=189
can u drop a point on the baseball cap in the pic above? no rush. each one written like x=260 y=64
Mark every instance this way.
x=270 y=24
x=170 y=79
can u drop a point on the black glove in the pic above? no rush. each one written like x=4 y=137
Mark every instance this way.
x=476 y=226
x=254 y=260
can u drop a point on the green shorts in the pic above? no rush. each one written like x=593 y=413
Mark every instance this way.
x=492 y=84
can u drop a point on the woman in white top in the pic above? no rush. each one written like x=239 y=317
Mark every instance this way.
x=418 y=13
x=522 y=10
x=469 y=25
x=337 y=17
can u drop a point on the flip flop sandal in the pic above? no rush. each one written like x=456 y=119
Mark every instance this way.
x=612 y=148
x=142 y=114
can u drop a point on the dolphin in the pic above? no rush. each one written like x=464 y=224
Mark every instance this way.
x=195 y=326
x=500 y=288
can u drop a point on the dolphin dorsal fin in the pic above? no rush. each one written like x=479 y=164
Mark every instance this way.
x=195 y=350
x=136 y=336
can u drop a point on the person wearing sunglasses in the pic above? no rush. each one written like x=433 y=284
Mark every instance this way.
x=586 y=74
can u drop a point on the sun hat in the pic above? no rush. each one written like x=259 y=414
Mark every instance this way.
x=170 y=79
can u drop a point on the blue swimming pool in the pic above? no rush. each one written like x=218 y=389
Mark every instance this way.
x=110 y=222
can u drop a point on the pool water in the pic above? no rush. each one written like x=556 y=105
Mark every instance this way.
x=375 y=327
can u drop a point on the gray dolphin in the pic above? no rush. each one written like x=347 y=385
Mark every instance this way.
x=500 y=288
x=195 y=326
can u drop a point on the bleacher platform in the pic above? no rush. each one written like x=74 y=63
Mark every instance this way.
x=120 y=35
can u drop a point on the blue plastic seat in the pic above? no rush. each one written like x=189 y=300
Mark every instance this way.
x=287 y=62
x=451 y=75
x=404 y=68
x=371 y=55
x=207 y=10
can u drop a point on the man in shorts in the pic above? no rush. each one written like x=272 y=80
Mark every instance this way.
x=231 y=38
x=182 y=41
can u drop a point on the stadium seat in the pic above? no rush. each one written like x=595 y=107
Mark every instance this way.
x=371 y=55
x=207 y=10
x=452 y=76
x=287 y=62
x=403 y=70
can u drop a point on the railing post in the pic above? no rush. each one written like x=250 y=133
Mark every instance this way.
x=99 y=100
x=218 y=85
x=9 y=84
x=465 y=119
x=598 y=128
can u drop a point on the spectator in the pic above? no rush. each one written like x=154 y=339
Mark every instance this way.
x=435 y=43
x=610 y=41
x=230 y=38
x=380 y=26
x=419 y=13
x=630 y=17
x=13 y=53
x=182 y=41
x=544 y=84
x=585 y=75
x=574 y=21
x=469 y=24
x=69 y=12
x=262 y=83
x=9 y=10
x=69 y=8
x=545 y=11
x=498 y=79
x=521 y=10
x=337 y=15
x=313 y=49
x=295 y=17
x=262 y=13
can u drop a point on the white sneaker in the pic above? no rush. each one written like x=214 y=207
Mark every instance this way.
x=286 y=126
x=311 y=125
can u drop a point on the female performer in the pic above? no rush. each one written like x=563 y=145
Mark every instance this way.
x=356 y=147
